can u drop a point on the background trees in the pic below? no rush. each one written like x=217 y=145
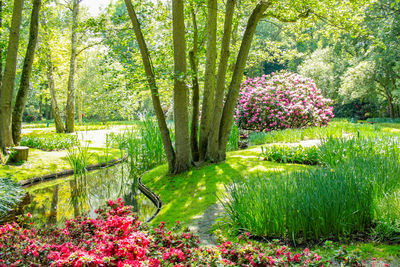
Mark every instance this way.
x=194 y=61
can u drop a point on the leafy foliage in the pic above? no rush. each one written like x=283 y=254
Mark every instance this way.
x=10 y=195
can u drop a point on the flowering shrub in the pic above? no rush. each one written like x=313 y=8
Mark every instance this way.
x=281 y=100
x=117 y=238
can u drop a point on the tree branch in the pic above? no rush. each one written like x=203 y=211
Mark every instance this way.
x=281 y=18
x=89 y=46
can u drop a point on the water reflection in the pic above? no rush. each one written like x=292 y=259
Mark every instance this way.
x=55 y=201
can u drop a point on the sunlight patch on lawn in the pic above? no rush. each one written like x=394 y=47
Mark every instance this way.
x=188 y=195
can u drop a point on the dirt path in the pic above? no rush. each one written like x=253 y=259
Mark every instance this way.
x=202 y=224
x=94 y=138
x=97 y=138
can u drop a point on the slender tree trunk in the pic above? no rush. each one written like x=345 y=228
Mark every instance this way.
x=390 y=106
x=2 y=145
x=213 y=139
x=398 y=111
x=194 y=144
x=148 y=67
x=7 y=86
x=20 y=101
x=70 y=108
x=209 y=78
x=181 y=96
x=1 y=49
x=79 y=107
x=234 y=87
x=54 y=105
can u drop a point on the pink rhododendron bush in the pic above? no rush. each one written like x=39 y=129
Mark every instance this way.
x=117 y=238
x=281 y=100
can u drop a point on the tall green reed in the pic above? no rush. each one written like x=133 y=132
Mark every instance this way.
x=143 y=146
x=78 y=157
x=352 y=193
x=233 y=142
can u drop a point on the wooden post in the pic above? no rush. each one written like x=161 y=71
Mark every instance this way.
x=21 y=153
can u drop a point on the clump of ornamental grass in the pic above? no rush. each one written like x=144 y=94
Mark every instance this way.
x=355 y=191
x=281 y=100
x=143 y=146
x=78 y=157
x=234 y=137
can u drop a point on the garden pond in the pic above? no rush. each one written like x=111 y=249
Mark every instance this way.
x=54 y=202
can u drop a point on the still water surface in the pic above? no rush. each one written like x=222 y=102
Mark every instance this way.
x=56 y=201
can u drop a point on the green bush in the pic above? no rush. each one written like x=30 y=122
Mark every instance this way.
x=50 y=142
x=291 y=154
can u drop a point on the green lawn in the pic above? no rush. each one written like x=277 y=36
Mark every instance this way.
x=186 y=195
x=46 y=162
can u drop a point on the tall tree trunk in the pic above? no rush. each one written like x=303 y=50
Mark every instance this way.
x=54 y=105
x=194 y=144
x=7 y=86
x=151 y=79
x=2 y=145
x=1 y=49
x=212 y=149
x=181 y=118
x=209 y=78
x=234 y=87
x=70 y=108
x=20 y=101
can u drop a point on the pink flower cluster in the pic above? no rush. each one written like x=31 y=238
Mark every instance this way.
x=281 y=100
x=117 y=238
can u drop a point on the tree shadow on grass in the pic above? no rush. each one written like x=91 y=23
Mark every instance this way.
x=189 y=194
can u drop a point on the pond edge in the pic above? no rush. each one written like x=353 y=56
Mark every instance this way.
x=53 y=176
x=150 y=195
